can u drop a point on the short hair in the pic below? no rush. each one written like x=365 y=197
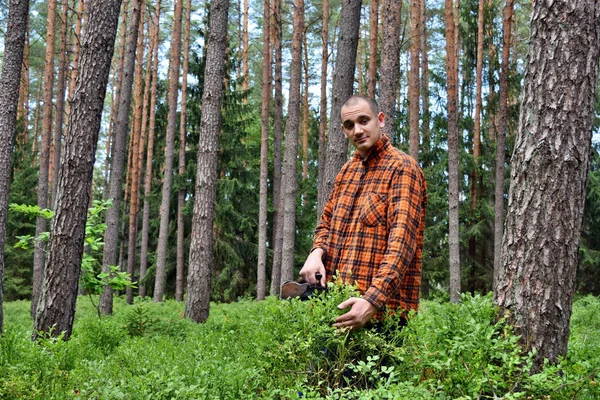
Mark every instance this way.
x=352 y=100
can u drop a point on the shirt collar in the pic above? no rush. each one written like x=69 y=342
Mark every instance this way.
x=379 y=147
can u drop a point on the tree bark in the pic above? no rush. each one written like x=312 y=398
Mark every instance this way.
x=323 y=106
x=163 y=234
x=56 y=309
x=290 y=163
x=390 y=63
x=425 y=79
x=10 y=79
x=261 y=270
x=478 y=101
x=245 y=69
x=337 y=145
x=149 y=153
x=549 y=172
x=42 y=189
x=374 y=25
x=115 y=189
x=501 y=140
x=201 y=257
x=453 y=150
x=413 y=77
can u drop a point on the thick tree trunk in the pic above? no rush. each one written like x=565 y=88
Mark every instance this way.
x=390 y=63
x=115 y=189
x=182 y=132
x=453 y=157
x=413 y=77
x=14 y=43
x=337 y=145
x=201 y=257
x=165 y=204
x=374 y=25
x=549 y=170
x=323 y=106
x=149 y=152
x=277 y=154
x=261 y=269
x=42 y=189
x=501 y=140
x=56 y=309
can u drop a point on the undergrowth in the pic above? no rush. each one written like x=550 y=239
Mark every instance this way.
x=287 y=350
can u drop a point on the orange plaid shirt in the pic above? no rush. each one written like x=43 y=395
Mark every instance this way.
x=372 y=226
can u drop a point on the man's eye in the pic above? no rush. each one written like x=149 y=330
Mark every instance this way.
x=348 y=126
x=364 y=121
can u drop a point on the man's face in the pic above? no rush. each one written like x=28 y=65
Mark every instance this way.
x=361 y=126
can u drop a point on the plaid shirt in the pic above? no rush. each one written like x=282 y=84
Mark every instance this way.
x=372 y=226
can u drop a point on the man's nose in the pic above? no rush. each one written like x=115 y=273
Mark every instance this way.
x=358 y=129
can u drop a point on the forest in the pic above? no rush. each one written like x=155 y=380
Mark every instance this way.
x=168 y=161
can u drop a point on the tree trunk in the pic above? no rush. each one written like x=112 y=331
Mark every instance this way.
x=149 y=152
x=305 y=107
x=321 y=200
x=425 y=79
x=201 y=257
x=372 y=73
x=137 y=146
x=245 y=70
x=501 y=140
x=290 y=164
x=261 y=270
x=277 y=154
x=549 y=169
x=453 y=157
x=390 y=63
x=337 y=145
x=115 y=189
x=182 y=132
x=14 y=44
x=56 y=309
x=478 y=101
x=413 y=77
x=23 y=107
x=42 y=189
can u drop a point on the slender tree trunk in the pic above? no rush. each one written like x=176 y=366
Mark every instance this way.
x=452 y=89
x=201 y=260
x=374 y=22
x=76 y=50
x=118 y=155
x=277 y=154
x=56 y=309
x=261 y=270
x=549 y=170
x=337 y=145
x=390 y=63
x=23 y=107
x=425 y=79
x=10 y=79
x=42 y=189
x=501 y=140
x=321 y=200
x=137 y=146
x=182 y=132
x=478 y=101
x=413 y=77
x=290 y=164
x=163 y=234
x=149 y=153
x=305 y=110
x=245 y=69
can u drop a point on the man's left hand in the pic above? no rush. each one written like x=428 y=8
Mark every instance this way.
x=360 y=313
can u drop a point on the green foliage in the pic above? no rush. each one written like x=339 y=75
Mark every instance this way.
x=287 y=349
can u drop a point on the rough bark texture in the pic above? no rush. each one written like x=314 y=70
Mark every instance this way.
x=163 y=233
x=323 y=105
x=501 y=140
x=42 y=189
x=549 y=174
x=261 y=269
x=14 y=43
x=413 y=77
x=452 y=89
x=277 y=154
x=478 y=101
x=149 y=152
x=115 y=190
x=201 y=257
x=290 y=163
x=374 y=25
x=343 y=81
x=425 y=79
x=56 y=309
x=182 y=141
x=390 y=63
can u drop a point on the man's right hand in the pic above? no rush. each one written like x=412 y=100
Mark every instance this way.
x=313 y=266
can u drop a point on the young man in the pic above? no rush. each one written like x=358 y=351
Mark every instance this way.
x=371 y=230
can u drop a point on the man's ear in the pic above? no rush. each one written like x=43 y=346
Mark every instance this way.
x=381 y=119
x=343 y=130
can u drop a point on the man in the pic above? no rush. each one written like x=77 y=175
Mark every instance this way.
x=371 y=230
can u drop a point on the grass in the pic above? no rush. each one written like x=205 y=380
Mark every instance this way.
x=286 y=350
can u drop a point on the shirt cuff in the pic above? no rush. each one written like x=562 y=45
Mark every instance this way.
x=376 y=297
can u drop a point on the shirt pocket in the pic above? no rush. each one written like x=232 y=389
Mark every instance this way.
x=374 y=209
